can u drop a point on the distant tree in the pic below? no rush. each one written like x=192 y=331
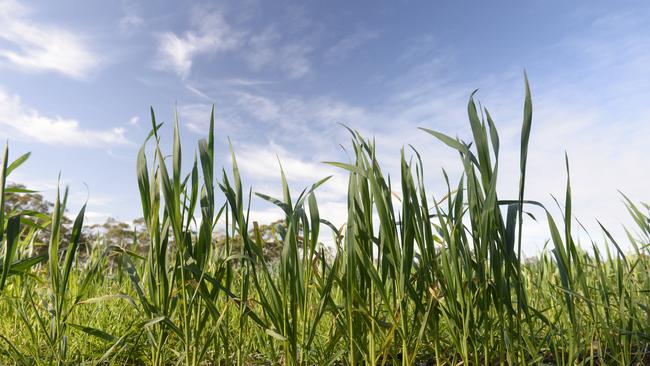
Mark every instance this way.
x=133 y=236
x=272 y=238
x=27 y=201
x=17 y=202
x=112 y=232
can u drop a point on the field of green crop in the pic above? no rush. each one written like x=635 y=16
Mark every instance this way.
x=419 y=279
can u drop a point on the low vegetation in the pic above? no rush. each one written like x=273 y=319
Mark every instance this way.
x=419 y=279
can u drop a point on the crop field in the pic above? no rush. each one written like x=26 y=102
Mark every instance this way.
x=414 y=278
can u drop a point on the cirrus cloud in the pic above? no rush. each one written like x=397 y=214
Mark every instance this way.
x=34 y=47
x=211 y=35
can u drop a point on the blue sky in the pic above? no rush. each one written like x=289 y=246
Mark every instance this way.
x=77 y=79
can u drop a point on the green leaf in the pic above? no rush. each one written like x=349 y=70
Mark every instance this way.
x=18 y=162
x=94 y=332
x=13 y=235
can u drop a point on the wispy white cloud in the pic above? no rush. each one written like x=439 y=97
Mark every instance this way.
x=280 y=117
x=294 y=60
x=262 y=48
x=419 y=48
x=196 y=117
x=246 y=82
x=270 y=49
x=210 y=34
x=348 y=44
x=287 y=52
x=35 y=47
x=131 y=20
x=260 y=107
x=129 y=23
x=293 y=120
x=263 y=162
x=248 y=114
x=196 y=91
x=292 y=111
x=27 y=123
